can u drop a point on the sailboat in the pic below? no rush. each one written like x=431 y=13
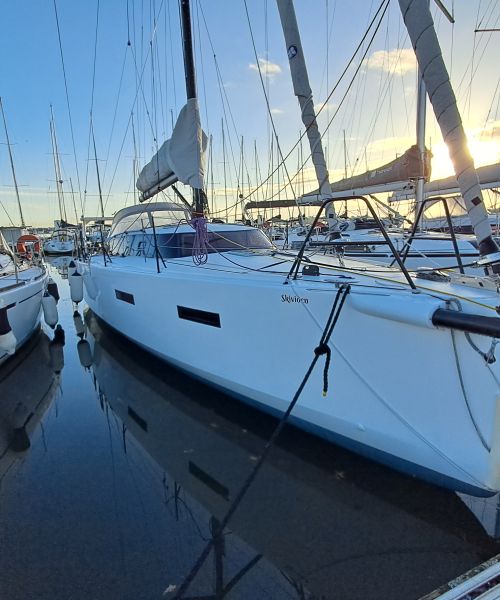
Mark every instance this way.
x=406 y=177
x=22 y=285
x=62 y=240
x=413 y=377
x=22 y=281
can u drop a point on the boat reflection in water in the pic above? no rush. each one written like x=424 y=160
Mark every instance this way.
x=28 y=383
x=61 y=263
x=323 y=519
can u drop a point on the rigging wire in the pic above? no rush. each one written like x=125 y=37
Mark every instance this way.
x=69 y=108
x=344 y=72
x=7 y=213
x=266 y=96
x=223 y=93
x=115 y=113
x=91 y=105
x=139 y=86
x=343 y=98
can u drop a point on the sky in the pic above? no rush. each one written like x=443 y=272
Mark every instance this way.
x=123 y=63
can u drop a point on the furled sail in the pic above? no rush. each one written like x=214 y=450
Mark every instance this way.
x=407 y=167
x=180 y=158
x=420 y=26
x=302 y=90
x=404 y=168
x=489 y=178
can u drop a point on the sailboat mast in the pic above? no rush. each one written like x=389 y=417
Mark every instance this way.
x=302 y=90
x=56 y=164
x=12 y=165
x=420 y=26
x=199 y=196
x=421 y=114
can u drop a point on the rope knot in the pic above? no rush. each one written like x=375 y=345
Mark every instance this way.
x=321 y=349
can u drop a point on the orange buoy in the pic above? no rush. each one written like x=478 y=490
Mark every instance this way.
x=27 y=245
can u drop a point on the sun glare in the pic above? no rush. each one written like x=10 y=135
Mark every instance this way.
x=484 y=152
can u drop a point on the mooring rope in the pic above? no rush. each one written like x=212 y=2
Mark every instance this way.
x=325 y=337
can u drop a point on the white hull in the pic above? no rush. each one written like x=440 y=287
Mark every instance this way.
x=55 y=247
x=395 y=393
x=24 y=302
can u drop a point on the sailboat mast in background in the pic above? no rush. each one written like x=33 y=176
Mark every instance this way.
x=57 y=169
x=12 y=166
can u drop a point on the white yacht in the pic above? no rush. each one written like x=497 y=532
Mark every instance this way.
x=21 y=289
x=413 y=379
x=60 y=243
x=427 y=250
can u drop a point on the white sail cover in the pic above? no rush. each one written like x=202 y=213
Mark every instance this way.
x=180 y=158
x=418 y=21
x=302 y=90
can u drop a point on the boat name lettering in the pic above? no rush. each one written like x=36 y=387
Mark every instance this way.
x=294 y=299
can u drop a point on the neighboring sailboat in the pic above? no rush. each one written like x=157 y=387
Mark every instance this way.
x=413 y=376
x=22 y=281
x=21 y=289
x=62 y=240
x=360 y=238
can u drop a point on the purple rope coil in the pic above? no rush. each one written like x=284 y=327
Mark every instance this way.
x=200 y=243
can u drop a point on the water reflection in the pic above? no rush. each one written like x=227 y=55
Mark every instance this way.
x=28 y=383
x=60 y=263
x=318 y=522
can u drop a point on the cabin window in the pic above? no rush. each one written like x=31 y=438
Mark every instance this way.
x=178 y=245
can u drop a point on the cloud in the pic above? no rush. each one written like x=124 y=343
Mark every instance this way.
x=390 y=146
x=324 y=107
x=277 y=111
x=399 y=61
x=267 y=68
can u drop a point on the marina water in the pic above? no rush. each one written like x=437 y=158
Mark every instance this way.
x=122 y=467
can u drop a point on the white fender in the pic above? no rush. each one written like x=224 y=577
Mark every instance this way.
x=49 y=305
x=8 y=341
x=76 y=287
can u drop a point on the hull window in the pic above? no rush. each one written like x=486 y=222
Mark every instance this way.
x=199 y=316
x=124 y=296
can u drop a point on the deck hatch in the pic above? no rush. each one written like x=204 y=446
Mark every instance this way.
x=199 y=316
x=125 y=296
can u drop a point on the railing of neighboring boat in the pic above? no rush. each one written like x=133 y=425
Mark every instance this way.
x=293 y=273
x=421 y=208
